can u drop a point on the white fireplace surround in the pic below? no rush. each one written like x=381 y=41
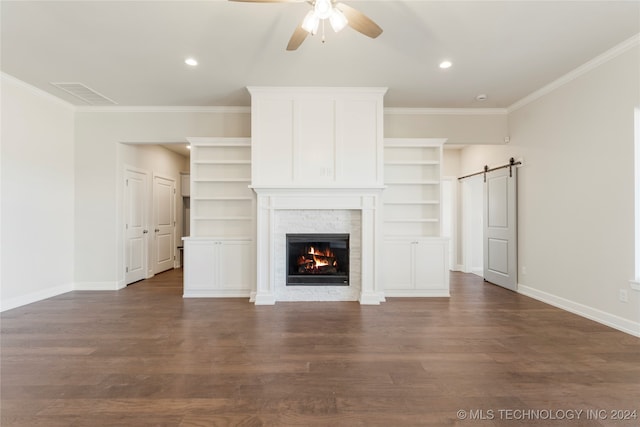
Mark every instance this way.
x=315 y=221
x=283 y=210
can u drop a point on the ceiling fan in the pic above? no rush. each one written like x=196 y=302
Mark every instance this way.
x=339 y=15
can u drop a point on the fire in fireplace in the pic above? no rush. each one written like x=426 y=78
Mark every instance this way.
x=317 y=259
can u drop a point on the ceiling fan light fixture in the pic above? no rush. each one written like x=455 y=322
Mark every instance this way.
x=311 y=22
x=337 y=20
x=323 y=8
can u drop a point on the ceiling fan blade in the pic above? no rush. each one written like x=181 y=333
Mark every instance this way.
x=298 y=36
x=359 y=21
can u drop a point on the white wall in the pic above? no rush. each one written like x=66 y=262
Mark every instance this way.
x=99 y=250
x=37 y=195
x=458 y=126
x=576 y=193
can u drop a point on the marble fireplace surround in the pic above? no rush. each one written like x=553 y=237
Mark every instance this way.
x=282 y=210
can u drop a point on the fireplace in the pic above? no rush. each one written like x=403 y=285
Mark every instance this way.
x=317 y=259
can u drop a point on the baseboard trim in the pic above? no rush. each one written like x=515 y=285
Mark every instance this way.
x=97 y=286
x=608 y=319
x=15 y=302
x=478 y=271
x=370 y=298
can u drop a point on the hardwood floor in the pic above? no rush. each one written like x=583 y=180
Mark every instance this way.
x=144 y=356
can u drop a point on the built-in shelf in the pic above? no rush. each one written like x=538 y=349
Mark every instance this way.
x=222 y=180
x=413 y=163
x=414 y=254
x=412 y=220
x=413 y=202
x=222 y=162
x=223 y=198
x=412 y=176
x=222 y=204
x=223 y=218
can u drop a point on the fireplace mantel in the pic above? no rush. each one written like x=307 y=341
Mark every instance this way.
x=302 y=200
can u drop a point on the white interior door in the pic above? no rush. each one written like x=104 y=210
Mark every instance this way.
x=500 y=228
x=135 y=226
x=164 y=190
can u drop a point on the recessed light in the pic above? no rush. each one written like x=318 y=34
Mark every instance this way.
x=445 y=64
x=481 y=97
x=191 y=61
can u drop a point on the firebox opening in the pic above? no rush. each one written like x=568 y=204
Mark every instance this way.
x=317 y=259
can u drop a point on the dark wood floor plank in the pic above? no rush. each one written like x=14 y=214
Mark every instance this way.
x=145 y=356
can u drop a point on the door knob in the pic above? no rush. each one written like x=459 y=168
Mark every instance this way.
x=145 y=231
x=156 y=230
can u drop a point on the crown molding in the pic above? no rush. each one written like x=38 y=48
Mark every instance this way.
x=155 y=141
x=164 y=109
x=446 y=111
x=581 y=70
x=36 y=91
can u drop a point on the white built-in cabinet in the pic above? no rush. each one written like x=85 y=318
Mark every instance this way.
x=414 y=261
x=219 y=254
x=415 y=267
x=218 y=267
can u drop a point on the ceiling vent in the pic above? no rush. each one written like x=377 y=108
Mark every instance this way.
x=88 y=95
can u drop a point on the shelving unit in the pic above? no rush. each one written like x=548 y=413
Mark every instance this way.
x=223 y=206
x=412 y=199
x=220 y=252
x=414 y=262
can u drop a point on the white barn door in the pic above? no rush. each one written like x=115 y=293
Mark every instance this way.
x=500 y=228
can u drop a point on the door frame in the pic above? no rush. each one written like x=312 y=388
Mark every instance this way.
x=472 y=225
x=146 y=217
x=122 y=161
x=453 y=242
x=153 y=242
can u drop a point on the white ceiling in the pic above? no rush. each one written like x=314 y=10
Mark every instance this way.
x=133 y=51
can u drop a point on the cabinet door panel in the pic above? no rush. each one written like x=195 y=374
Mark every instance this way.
x=272 y=146
x=315 y=142
x=358 y=143
x=397 y=271
x=200 y=265
x=236 y=265
x=429 y=262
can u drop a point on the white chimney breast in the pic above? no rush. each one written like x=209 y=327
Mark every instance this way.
x=315 y=152
x=316 y=136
